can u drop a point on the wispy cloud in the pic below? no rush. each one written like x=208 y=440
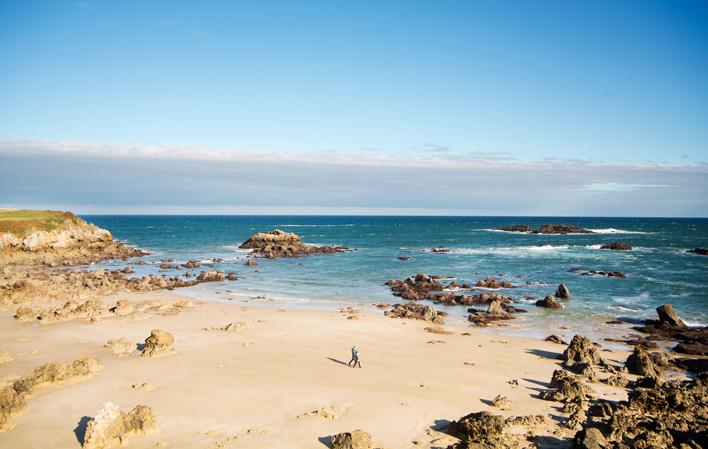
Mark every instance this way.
x=119 y=177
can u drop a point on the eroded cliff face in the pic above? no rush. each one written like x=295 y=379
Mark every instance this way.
x=56 y=238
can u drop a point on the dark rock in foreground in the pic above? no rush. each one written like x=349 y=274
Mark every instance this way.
x=278 y=243
x=549 y=302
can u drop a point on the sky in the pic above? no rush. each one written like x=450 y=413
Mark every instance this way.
x=471 y=107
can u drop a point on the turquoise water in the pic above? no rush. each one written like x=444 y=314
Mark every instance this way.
x=658 y=270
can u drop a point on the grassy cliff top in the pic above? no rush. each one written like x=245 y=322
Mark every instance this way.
x=22 y=223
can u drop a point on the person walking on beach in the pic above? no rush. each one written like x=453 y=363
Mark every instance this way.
x=355 y=358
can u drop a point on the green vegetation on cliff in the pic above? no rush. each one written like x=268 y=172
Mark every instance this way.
x=21 y=223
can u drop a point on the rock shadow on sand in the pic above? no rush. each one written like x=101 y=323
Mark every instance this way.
x=80 y=429
x=544 y=354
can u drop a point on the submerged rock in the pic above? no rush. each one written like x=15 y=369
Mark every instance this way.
x=111 y=426
x=699 y=251
x=617 y=246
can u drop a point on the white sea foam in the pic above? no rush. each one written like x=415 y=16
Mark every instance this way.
x=512 y=250
x=616 y=231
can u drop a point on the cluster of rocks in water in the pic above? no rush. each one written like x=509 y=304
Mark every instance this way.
x=612 y=274
x=278 y=243
x=547 y=229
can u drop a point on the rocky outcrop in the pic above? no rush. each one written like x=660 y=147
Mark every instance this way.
x=495 y=312
x=549 y=302
x=158 y=344
x=641 y=363
x=612 y=274
x=657 y=414
x=111 y=426
x=210 y=276
x=439 y=249
x=547 y=229
x=555 y=339
x=699 y=251
x=562 y=292
x=668 y=317
x=489 y=282
x=56 y=238
x=278 y=243
x=565 y=387
x=13 y=397
x=416 y=312
x=669 y=326
x=357 y=439
x=580 y=352
x=418 y=287
x=483 y=428
x=617 y=246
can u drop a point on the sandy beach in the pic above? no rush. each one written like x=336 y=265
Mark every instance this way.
x=248 y=389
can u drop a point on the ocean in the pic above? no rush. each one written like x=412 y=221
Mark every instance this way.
x=658 y=270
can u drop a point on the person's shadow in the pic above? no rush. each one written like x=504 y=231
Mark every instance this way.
x=337 y=361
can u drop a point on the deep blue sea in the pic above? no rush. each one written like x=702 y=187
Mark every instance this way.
x=658 y=269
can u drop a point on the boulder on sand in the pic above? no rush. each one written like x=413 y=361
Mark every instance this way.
x=120 y=346
x=158 y=344
x=641 y=363
x=111 y=426
x=580 y=352
x=357 y=439
x=483 y=428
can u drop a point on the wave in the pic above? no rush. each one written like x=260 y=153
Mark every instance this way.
x=616 y=231
x=512 y=250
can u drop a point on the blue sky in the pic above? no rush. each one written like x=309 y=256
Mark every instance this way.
x=602 y=82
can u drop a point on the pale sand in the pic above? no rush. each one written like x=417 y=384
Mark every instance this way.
x=222 y=384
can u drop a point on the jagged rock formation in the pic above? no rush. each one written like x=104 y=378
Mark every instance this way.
x=657 y=414
x=416 y=312
x=482 y=428
x=691 y=340
x=357 y=439
x=112 y=426
x=501 y=402
x=278 y=243
x=617 y=246
x=56 y=238
x=13 y=397
x=641 y=363
x=565 y=387
x=495 y=312
x=210 y=276
x=581 y=352
x=418 y=287
x=547 y=229
x=562 y=292
x=669 y=317
x=158 y=344
x=612 y=274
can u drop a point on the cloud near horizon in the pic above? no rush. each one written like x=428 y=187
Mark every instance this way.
x=120 y=178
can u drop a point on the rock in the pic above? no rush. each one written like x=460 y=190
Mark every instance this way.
x=495 y=312
x=562 y=292
x=231 y=276
x=516 y=228
x=191 y=264
x=439 y=249
x=565 y=387
x=549 y=302
x=123 y=307
x=617 y=246
x=331 y=412
x=699 y=251
x=278 y=243
x=120 y=346
x=489 y=282
x=169 y=266
x=251 y=263
x=579 y=352
x=357 y=439
x=501 y=402
x=612 y=274
x=420 y=286
x=669 y=317
x=483 y=428
x=111 y=426
x=416 y=312
x=561 y=229
x=210 y=276
x=405 y=258
x=640 y=363
x=590 y=438
x=236 y=326
x=555 y=339
x=158 y=344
